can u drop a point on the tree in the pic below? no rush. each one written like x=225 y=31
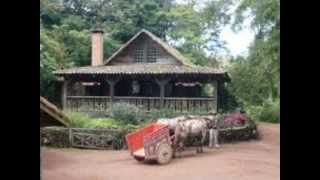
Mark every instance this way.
x=195 y=32
x=263 y=60
x=130 y=16
x=52 y=57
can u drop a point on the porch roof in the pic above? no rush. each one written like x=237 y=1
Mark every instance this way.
x=143 y=69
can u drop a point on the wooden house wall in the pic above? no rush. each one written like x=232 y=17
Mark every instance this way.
x=127 y=55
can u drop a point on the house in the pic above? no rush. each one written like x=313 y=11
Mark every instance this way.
x=146 y=72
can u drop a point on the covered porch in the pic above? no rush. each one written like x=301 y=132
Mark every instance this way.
x=179 y=91
x=100 y=104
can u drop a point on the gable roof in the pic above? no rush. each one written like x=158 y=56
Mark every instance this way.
x=169 y=49
x=185 y=67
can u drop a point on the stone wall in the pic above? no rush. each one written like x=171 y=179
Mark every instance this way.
x=115 y=138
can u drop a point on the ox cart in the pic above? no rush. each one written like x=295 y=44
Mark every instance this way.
x=152 y=142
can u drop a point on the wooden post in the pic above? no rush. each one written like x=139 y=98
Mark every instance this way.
x=112 y=83
x=162 y=90
x=70 y=137
x=111 y=88
x=215 y=95
x=162 y=84
x=64 y=94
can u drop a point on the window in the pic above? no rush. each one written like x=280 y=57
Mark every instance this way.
x=146 y=54
x=138 y=55
x=152 y=54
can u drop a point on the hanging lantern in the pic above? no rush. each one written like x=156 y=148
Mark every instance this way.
x=135 y=87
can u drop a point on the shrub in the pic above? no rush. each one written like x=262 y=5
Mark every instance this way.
x=148 y=116
x=254 y=112
x=81 y=120
x=161 y=113
x=269 y=111
x=103 y=123
x=78 y=119
x=126 y=113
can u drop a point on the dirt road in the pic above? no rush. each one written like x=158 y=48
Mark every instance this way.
x=253 y=160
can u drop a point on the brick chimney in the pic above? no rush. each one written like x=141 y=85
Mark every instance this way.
x=96 y=47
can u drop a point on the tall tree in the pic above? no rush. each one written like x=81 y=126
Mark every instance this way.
x=257 y=77
x=195 y=30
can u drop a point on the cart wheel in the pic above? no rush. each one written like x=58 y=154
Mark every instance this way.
x=138 y=158
x=164 y=154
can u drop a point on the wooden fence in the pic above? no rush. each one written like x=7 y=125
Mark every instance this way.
x=83 y=137
x=103 y=103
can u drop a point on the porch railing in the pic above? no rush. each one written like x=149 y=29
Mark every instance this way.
x=103 y=103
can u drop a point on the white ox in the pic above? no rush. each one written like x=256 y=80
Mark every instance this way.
x=190 y=126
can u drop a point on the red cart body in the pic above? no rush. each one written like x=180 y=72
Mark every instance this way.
x=144 y=143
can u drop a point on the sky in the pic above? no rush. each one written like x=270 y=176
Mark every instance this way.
x=236 y=42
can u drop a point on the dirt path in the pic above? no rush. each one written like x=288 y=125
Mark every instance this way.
x=253 y=160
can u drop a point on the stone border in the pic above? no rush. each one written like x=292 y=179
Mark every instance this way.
x=60 y=136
